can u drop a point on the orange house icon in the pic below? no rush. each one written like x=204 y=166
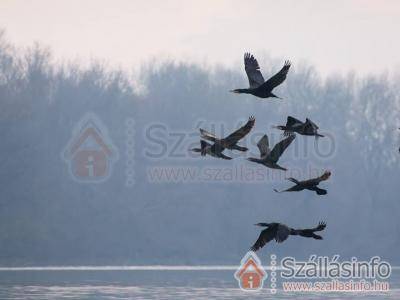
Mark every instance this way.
x=250 y=275
x=90 y=153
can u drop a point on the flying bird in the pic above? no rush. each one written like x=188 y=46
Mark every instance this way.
x=304 y=128
x=213 y=150
x=257 y=86
x=280 y=232
x=310 y=184
x=229 y=142
x=268 y=157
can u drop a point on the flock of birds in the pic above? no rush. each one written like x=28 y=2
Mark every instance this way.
x=215 y=146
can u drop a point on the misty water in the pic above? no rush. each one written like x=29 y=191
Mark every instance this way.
x=155 y=284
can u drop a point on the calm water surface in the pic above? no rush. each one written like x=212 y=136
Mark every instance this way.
x=152 y=284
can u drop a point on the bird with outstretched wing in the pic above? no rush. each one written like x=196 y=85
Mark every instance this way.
x=257 y=85
x=253 y=71
x=309 y=184
x=278 y=78
x=236 y=136
x=280 y=148
x=263 y=146
x=293 y=122
x=229 y=142
x=269 y=158
x=265 y=236
x=280 y=232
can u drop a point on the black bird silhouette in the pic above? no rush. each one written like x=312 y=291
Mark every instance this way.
x=214 y=150
x=280 y=232
x=310 y=184
x=229 y=142
x=294 y=125
x=268 y=157
x=259 y=87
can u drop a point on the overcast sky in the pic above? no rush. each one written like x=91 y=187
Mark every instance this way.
x=335 y=36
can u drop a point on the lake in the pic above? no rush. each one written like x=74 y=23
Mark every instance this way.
x=152 y=282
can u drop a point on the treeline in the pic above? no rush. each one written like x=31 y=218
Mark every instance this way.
x=48 y=218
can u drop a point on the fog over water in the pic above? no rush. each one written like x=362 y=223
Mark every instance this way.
x=205 y=216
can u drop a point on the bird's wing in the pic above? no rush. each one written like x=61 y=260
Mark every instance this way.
x=234 y=137
x=266 y=236
x=321 y=226
x=311 y=123
x=281 y=147
x=278 y=78
x=263 y=146
x=282 y=233
x=310 y=126
x=207 y=135
x=253 y=71
x=293 y=122
x=316 y=180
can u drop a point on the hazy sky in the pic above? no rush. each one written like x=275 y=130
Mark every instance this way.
x=336 y=36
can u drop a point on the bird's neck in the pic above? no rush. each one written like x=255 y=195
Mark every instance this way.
x=242 y=91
